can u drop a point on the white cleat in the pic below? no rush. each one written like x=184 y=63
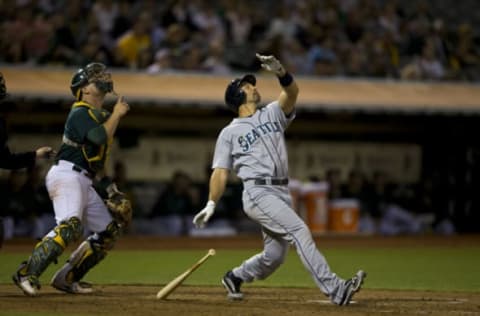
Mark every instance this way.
x=27 y=283
x=59 y=281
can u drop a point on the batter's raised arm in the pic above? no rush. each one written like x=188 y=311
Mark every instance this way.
x=218 y=182
x=288 y=97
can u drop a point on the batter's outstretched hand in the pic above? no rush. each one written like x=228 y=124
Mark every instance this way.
x=270 y=63
x=204 y=215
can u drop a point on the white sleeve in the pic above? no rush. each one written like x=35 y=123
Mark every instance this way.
x=222 y=157
x=276 y=113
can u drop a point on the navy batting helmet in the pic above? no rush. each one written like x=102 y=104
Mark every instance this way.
x=234 y=95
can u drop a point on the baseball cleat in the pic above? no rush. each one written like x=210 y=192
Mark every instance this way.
x=232 y=285
x=352 y=286
x=29 y=284
x=59 y=281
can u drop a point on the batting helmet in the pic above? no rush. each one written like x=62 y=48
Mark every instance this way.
x=3 y=87
x=91 y=73
x=234 y=95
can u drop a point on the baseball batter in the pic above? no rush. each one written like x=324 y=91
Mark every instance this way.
x=89 y=130
x=253 y=145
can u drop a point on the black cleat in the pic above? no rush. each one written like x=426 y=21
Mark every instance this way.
x=232 y=284
x=352 y=286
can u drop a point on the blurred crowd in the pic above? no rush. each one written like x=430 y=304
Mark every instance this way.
x=411 y=40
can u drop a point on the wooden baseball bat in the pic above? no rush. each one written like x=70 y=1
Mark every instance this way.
x=172 y=285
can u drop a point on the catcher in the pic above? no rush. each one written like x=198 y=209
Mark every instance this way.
x=89 y=131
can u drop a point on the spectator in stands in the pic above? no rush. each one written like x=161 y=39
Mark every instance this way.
x=192 y=59
x=145 y=58
x=93 y=49
x=215 y=61
x=239 y=23
x=205 y=19
x=466 y=57
x=428 y=66
x=162 y=62
x=177 y=42
x=63 y=46
x=295 y=56
x=39 y=37
x=134 y=41
x=122 y=21
x=105 y=12
x=324 y=58
x=15 y=33
x=392 y=36
x=173 y=212
x=356 y=64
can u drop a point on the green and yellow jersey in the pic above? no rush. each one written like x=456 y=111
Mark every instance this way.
x=85 y=141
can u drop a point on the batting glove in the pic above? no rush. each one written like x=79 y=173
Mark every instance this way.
x=270 y=63
x=204 y=215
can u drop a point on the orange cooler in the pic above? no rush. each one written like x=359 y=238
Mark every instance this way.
x=315 y=202
x=343 y=215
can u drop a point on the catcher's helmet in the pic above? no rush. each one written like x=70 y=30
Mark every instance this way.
x=3 y=87
x=234 y=95
x=91 y=73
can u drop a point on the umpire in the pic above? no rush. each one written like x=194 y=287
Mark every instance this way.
x=9 y=160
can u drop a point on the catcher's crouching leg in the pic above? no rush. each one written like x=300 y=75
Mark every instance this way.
x=86 y=256
x=46 y=252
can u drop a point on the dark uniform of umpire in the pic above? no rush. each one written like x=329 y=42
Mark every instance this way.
x=9 y=160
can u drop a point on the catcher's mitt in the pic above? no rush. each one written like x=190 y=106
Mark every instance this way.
x=119 y=206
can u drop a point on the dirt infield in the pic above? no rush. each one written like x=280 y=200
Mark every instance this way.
x=189 y=300
x=194 y=300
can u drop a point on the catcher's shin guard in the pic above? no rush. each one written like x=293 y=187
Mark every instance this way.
x=88 y=254
x=52 y=246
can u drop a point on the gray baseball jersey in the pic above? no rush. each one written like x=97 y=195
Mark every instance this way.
x=254 y=147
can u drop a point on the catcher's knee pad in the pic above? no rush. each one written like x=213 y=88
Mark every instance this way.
x=92 y=251
x=66 y=232
x=108 y=237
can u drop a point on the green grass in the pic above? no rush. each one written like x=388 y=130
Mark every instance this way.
x=437 y=269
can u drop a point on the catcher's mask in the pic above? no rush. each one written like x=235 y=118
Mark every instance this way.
x=92 y=73
x=3 y=88
x=234 y=95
